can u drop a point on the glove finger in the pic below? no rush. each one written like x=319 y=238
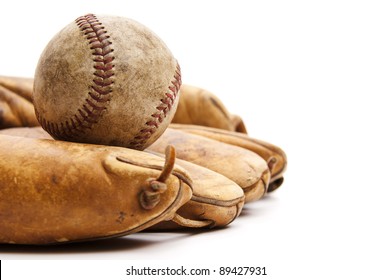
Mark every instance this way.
x=15 y=110
x=238 y=124
x=215 y=198
x=242 y=166
x=272 y=154
x=201 y=107
x=21 y=86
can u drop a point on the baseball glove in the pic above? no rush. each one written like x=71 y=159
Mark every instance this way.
x=206 y=134
x=216 y=200
x=54 y=191
x=196 y=107
x=273 y=155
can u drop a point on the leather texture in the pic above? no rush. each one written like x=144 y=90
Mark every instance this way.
x=201 y=107
x=215 y=198
x=272 y=154
x=16 y=109
x=54 y=191
x=106 y=80
x=20 y=85
x=244 y=167
x=219 y=166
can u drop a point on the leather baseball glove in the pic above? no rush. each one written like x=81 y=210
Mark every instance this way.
x=196 y=107
x=210 y=139
x=216 y=200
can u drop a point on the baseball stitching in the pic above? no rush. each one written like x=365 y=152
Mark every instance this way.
x=100 y=91
x=161 y=111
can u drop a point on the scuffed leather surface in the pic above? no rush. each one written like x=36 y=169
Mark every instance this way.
x=20 y=85
x=54 y=191
x=265 y=149
x=215 y=198
x=16 y=109
x=143 y=71
x=242 y=166
x=200 y=107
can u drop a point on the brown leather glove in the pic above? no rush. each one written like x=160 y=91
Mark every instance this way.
x=54 y=191
x=242 y=166
x=216 y=200
x=200 y=106
x=196 y=107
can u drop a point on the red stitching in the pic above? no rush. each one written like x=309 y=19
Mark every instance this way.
x=163 y=108
x=99 y=93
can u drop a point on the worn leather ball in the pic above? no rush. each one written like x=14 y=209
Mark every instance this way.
x=106 y=80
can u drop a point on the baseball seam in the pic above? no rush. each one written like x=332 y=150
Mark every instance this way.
x=161 y=112
x=99 y=94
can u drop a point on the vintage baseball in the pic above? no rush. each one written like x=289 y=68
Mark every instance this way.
x=106 y=80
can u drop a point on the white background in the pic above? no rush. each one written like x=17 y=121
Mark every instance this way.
x=312 y=77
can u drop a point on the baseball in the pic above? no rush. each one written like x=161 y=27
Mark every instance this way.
x=106 y=80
